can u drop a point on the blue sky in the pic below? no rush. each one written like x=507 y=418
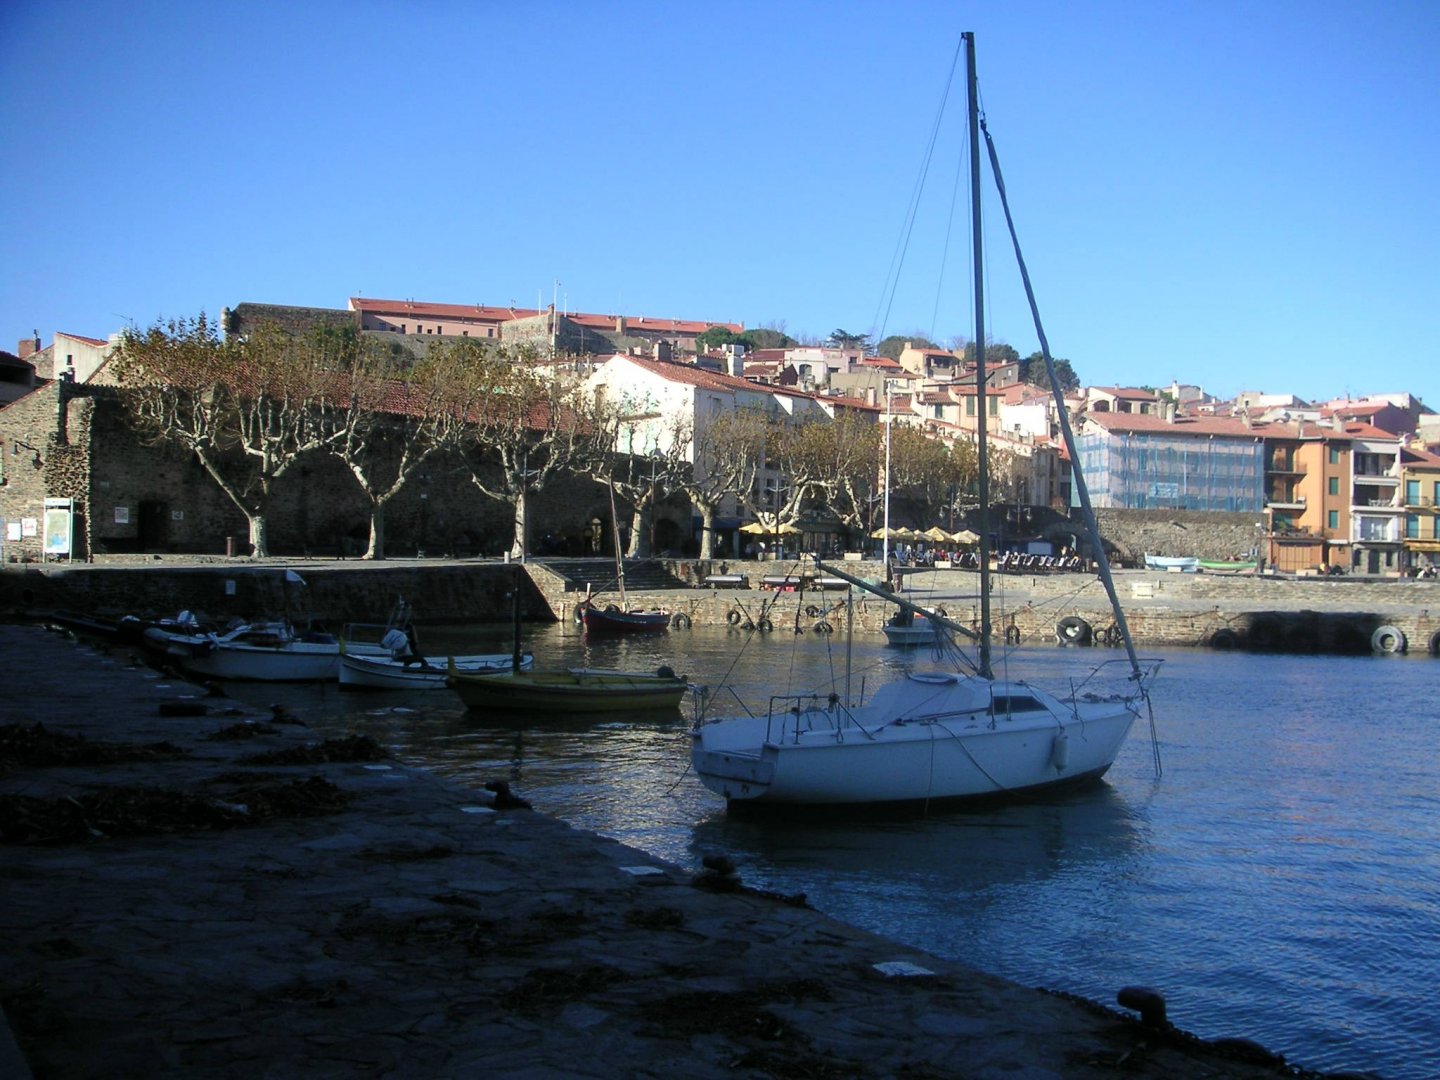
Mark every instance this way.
x=1241 y=195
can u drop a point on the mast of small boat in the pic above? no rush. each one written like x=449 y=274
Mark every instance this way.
x=1082 y=490
x=515 y=622
x=982 y=453
x=619 y=558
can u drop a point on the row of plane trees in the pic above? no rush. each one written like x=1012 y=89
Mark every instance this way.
x=251 y=408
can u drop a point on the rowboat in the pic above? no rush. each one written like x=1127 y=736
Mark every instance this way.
x=359 y=671
x=612 y=619
x=572 y=690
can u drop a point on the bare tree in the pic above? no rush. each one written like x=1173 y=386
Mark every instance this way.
x=246 y=408
x=384 y=422
x=529 y=424
x=728 y=454
x=648 y=467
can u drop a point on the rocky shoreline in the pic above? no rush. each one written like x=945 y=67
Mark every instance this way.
x=193 y=889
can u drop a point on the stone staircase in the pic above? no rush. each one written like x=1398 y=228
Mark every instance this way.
x=641 y=575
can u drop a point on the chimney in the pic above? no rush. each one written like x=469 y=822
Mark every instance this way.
x=29 y=346
x=620 y=324
x=735 y=360
x=1169 y=407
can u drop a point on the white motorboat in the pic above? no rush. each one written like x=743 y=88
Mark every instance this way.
x=264 y=651
x=359 y=671
x=940 y=736
x=905 y=630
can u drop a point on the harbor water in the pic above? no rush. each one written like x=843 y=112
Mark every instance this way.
x=1280 y=881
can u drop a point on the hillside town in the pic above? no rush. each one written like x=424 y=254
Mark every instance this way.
x=1339 y=486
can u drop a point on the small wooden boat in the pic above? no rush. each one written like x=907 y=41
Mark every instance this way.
x=615 y=620
x=359 y=671
x=573 y=690
x=904 y=630
x=1176 y=564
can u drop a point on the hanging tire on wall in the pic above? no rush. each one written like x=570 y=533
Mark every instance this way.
x=1073 y=630
x=764 y=626
x=1012 y=634
x=823 y=627
x=811 y=611
x=1435 y=643
x=1224 y=639
x=680 y=621
x=734 y=617
x=1388 y=639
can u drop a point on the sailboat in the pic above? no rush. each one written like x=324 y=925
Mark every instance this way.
x=620 y=618
x=933 y=737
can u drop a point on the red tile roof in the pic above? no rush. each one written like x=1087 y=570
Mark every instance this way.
x=97 y=342
x=419 y=309
x=440 y=311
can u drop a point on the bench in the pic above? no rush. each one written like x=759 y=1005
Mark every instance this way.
x=781 y=582
x=727 y=581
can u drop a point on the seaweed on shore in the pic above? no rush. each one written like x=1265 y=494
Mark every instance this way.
x=246 y=729
x=129 y=811
x=36 y=745
x=349 y=748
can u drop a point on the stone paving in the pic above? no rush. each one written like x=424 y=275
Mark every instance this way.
x=419 y=931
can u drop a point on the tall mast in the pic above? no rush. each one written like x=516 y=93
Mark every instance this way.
x=983 y=455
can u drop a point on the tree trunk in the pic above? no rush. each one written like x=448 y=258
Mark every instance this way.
x=517 y=544
x=376 y=550
x=259 y=534
x=707 y=530
x=639 y=533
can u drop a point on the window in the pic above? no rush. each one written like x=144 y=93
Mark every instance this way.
x=1332 y=519
x=1412 y=492
x=1334 y=455
x=994 y=404
x=464 y=333
x=1334 y=485
x=969 y=406
x=402 y=327
x=1412 y=527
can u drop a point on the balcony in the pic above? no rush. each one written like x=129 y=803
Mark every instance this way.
x=1376 y=478
x=1286 y=502
x=1422 y=502
x=1371 y=506
x=1279 y=465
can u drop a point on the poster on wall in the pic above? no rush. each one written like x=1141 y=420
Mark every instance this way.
x=29 y=526
x=58 y=518
x=122 y=515
x=12 y=530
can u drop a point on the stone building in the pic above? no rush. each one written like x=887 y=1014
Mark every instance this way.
x=71 y=442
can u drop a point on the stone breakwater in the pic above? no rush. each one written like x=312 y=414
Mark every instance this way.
x=1245 y=611
x=196 y=890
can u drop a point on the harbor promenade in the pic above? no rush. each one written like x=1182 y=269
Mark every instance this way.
x=194 y=889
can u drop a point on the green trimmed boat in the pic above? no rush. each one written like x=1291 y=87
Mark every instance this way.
x=573 y=690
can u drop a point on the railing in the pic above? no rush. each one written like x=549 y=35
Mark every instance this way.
x=1287 y=502
x=1376 y=478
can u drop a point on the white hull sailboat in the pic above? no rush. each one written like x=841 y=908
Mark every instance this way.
x=926 y=738
x=932 y=737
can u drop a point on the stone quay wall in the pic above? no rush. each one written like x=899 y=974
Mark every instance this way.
x=1294 y=614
